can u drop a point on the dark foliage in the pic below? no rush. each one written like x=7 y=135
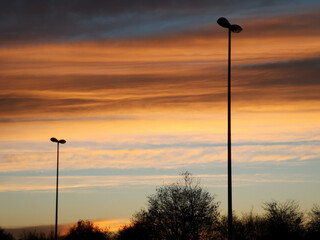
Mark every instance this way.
x=313 y=225
x=5 y=235
x=34 y=235
x=85 y=230
x=284 y=220
x=280 y=221
x=139 y=229
x=249 y=227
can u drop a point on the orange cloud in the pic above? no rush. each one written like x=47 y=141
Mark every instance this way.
x=186 y=70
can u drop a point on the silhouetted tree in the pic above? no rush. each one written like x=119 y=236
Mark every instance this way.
x=139 y=229
x=132 y=232
x=163 y=219
x=284 y=220
x=249 y=227
x=5 y=235
x=313 y=225
x=33 y=235
x=182 y=210
x=85 y=230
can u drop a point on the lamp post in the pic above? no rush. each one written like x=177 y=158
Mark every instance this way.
x=223 y=22
x=62 y=141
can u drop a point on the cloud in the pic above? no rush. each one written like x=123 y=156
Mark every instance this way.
x=283 y=81
x=79 y=183
x=165 y=155
x=291 y=73
x=286 y=25
x=169 y=71
x=167 y=158
x=160 y=72
x=24 y=21
x=266 y=82
x=71 y=183
x=47 y=20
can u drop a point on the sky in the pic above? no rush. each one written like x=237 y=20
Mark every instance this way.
x=138 y=89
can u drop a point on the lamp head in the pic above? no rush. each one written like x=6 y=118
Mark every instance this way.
x=235 y=28
x=223 y=22
x=62 y=141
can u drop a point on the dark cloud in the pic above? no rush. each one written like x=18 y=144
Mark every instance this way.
x=17 y=105
x=59 y=20
x=88 y=8
x=291 y=73
x=305 y=64
x=21 y=104
x=132 y=82
x=68 y=118
x=287 y=25
x=278 y=82
x=265 y=83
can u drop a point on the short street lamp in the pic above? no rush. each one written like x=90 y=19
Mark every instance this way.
x=62 y=141
x=223 y=22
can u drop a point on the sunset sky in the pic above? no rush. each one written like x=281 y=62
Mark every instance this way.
x=139 y=91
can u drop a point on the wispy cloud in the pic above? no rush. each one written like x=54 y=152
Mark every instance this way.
x=162 y=156
x=79 y=183
x=70 y=183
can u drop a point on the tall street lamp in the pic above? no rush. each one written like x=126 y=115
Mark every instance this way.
x=62 y=141
x=223 y=22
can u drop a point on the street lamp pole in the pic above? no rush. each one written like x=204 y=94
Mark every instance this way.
x=62 y=141
x=230 y=225
x=223 y=22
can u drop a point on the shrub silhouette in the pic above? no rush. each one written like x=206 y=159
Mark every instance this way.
x=283 y=220
x=34 y=235
x=5 y=235
x=85 y=230
x=313 y=225
x=249 y=227
x=139 y=229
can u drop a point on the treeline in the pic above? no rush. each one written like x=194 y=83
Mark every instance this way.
x=185 y=211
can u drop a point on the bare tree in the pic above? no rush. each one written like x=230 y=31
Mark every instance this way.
x=182 y=210
x=284 y=220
